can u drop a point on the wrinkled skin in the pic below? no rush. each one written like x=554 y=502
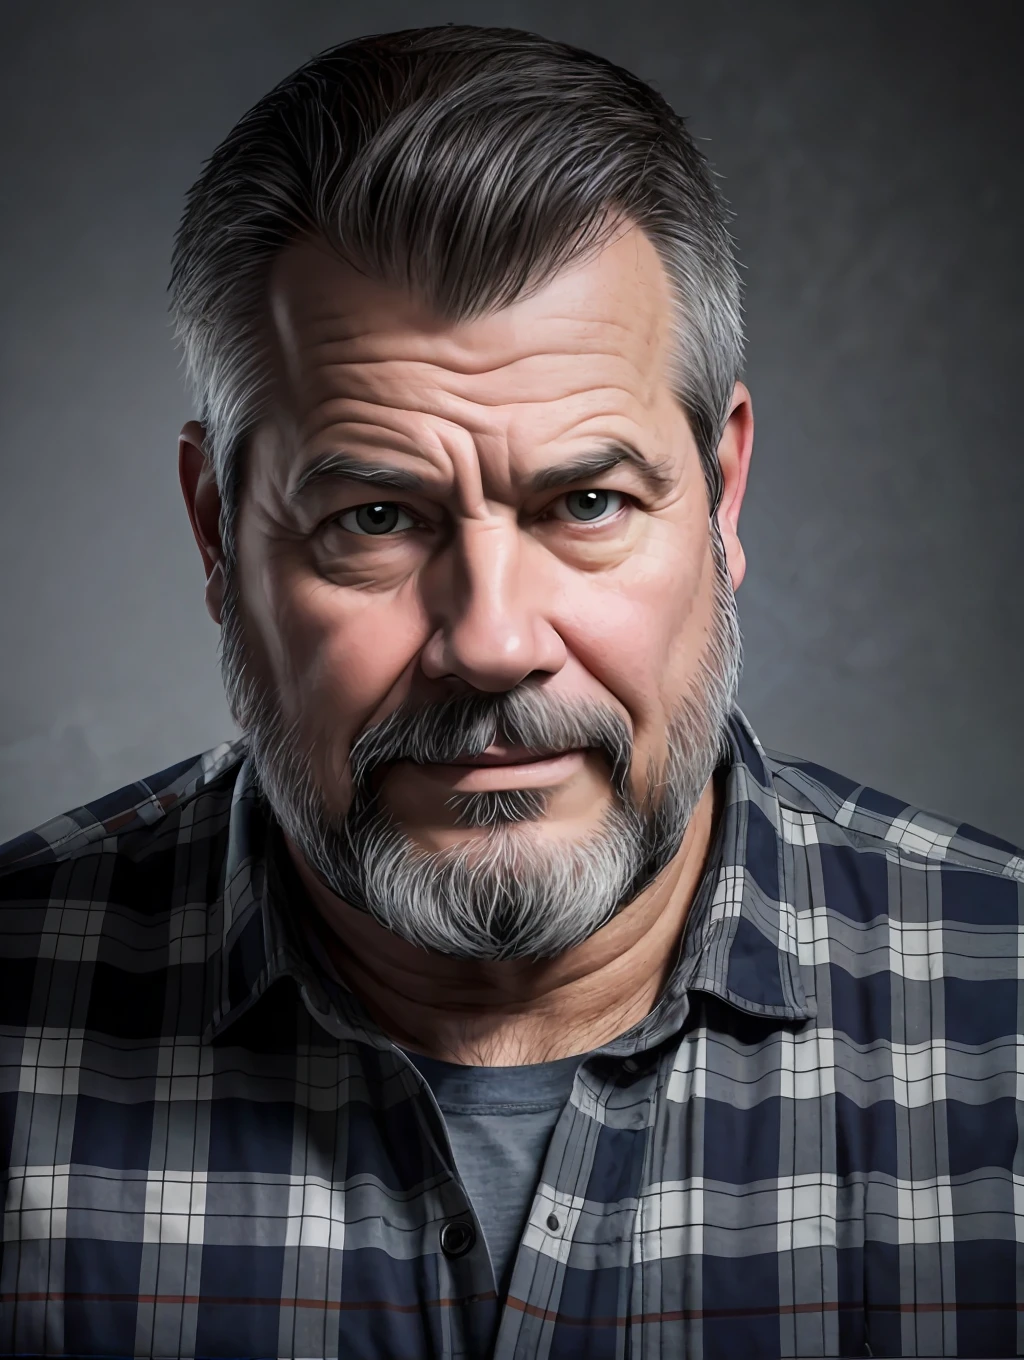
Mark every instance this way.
x=483 y=584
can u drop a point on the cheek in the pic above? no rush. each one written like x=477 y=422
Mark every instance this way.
x=338 y=655
x=634 y=629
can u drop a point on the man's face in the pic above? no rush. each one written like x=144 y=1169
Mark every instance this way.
x=486 y=601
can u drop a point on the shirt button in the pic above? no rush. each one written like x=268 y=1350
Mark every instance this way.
x=630 y=1065
x=553 y=1222
x=457 y=1236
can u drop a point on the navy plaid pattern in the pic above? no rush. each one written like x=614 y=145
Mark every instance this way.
x=809 y=1147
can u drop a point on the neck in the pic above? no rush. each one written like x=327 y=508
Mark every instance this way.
x=521 y=1011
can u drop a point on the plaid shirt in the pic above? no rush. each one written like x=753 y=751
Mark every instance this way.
x=809 y=1147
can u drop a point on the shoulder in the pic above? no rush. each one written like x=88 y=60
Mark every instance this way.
x=83 y=854
x=874 y=854
x=908 y=927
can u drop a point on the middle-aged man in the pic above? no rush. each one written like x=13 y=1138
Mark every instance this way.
x=496 y=994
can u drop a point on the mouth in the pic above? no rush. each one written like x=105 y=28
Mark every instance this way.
x=497 y=754
x=504 y=767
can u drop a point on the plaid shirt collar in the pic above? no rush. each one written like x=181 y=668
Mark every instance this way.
x=739 y=943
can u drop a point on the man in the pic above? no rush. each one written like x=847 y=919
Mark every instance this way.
x=496 y=993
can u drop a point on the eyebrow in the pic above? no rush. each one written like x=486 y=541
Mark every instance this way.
x=335 y=466
x=656 y=477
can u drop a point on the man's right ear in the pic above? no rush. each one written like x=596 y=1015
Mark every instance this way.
x=202 y=500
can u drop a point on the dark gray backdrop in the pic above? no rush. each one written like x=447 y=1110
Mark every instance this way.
x=871 y=153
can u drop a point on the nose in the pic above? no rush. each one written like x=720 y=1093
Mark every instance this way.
x=492 y=631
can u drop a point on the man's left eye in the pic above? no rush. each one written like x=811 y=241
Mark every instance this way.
x=585 y=506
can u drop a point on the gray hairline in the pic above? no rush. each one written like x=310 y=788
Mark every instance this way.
x=234 y=393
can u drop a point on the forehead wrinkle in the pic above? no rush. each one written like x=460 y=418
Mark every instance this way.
x=416 y=429
x=471 y=411
x=385 y=379
x=432 y=395
x=317 y=372
x=439 y=351
x=462 y=359
x=469 y=446
x=312 y=289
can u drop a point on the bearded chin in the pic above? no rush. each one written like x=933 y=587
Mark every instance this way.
x=509 y=893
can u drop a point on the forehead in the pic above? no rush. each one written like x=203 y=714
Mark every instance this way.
x=604 y=321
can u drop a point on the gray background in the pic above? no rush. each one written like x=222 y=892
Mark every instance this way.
x=871 y=153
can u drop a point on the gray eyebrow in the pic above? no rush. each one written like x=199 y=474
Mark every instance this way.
x=334 y=465
x=655 y=476
x=331 y=466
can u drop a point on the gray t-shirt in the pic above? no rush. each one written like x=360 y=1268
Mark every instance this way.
x=499 y=1120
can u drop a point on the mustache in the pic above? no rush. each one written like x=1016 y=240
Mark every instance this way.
x=466 y=725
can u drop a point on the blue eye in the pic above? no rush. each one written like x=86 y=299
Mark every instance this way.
x=586 y=506
x=376 y=520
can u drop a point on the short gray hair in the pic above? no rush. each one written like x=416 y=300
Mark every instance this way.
x=468 y=165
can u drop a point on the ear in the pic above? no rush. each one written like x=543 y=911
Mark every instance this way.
x=734 y=450
x=202 y=500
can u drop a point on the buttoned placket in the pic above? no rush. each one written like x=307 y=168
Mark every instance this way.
x=468 y=1262
x=506 y=1332
x=520 y=1330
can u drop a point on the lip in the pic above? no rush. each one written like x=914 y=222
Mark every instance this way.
x=503 y=769
x=508 y=755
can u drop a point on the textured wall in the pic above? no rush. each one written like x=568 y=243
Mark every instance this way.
x=871 y=152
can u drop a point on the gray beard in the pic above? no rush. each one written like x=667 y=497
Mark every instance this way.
x=510 y=894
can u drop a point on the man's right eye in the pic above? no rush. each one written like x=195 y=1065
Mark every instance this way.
x=375 y=520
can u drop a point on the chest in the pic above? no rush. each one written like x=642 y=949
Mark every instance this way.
x=717 y=1201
